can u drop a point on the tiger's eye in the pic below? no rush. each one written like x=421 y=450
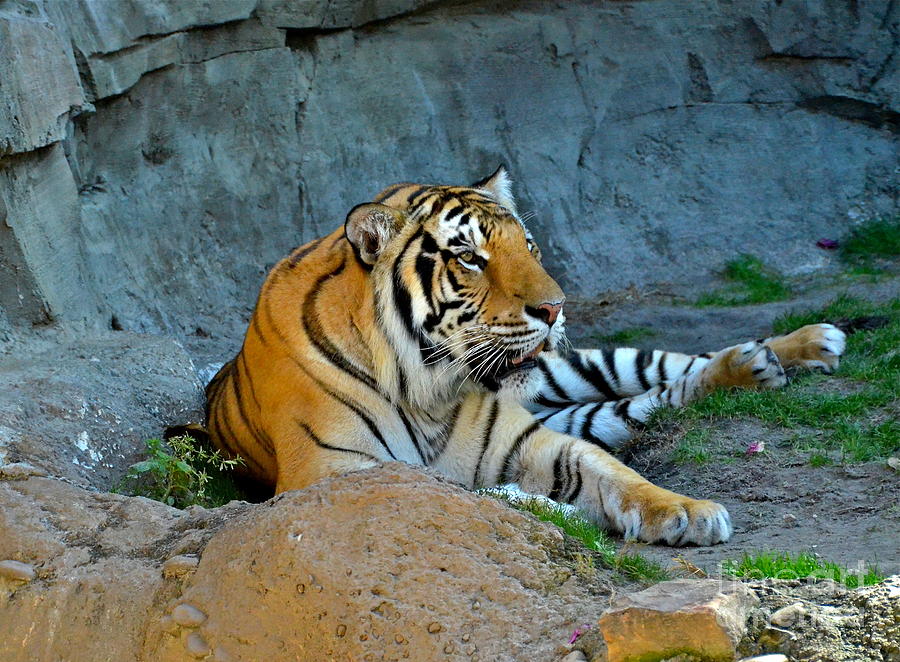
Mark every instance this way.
x=468 y=256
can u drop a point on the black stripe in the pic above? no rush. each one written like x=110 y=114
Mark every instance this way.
x=621 y=410
x=402 y=298
x=546 y=402
x=504 y=475
x=411 y=433
x=641 y=361
x=577 y=489
x=254 y=323
x=242 y=363
x=303 y=251
x=557 y=477
x=365 y=418
x=265 y=444
x=594 y=377
x=453 y=213
x=412 y=197
x=340 y=238
x=661 y=368
x=690 y=363
x=609 y=361
x=319 y=338
x=447 y=435
x=586 y=428
x=425 y=272
x=486 y=439
x=223 y=425
x=321 y=444
x=388 y=192
x=552 y=383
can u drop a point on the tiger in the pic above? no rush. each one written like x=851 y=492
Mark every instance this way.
x=426 y=330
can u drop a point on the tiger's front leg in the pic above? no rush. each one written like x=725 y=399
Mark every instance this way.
x=496 y=442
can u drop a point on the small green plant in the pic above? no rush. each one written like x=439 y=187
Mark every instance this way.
x=875 y=237
x=625 y=336
x=181 y=473
x=574 y=524
x=693 y=448
x=751 y=281
x=781 y=565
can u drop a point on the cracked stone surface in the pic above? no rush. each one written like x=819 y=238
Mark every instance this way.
x=652 y=146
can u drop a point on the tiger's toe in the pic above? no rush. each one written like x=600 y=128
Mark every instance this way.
x=813 y=347
x=752 y=364
x=683 y=521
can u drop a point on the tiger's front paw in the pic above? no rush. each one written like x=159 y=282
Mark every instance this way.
x=660 y=516
x=752 y=364
x=815 y=346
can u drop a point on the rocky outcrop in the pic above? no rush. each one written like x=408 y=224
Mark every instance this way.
x=156 y=157
x=336 y=571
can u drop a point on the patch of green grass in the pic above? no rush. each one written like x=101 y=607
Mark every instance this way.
x=781 y=565
x=875 y=237
x=869 y=245
x=626 y=336
x=633 y=566
x=751 y=281
x=854 y=421
x=693 y=448
x=181 y=473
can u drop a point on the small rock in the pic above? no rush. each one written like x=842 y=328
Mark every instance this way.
x=774 y=657
x=19 y=471
x=188 y=616
x=179 y=566
x=434 y=628
x=788 y=616
x=16 y=570
x=705 y=618
x=196 y=645
x=894 y=463
x=574 y=656
x=790 y=520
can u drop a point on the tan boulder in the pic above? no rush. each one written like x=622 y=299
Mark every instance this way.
x=703 y=619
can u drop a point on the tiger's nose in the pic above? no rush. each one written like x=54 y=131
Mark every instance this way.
x=547 y=312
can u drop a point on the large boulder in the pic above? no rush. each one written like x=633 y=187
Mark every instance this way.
x=339 y=570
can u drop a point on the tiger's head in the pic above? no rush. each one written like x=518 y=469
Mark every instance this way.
x=459 y=286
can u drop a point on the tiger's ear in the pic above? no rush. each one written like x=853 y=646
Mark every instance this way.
x=499 y=185
x=370 y=227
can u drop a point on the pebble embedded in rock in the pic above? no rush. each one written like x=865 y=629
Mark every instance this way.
x=188 y=616
x=196 y=645
x=788 y=616
x=179 y=566
x=16 y=570
x=574 y=656
x=434 y=628
x=774 y=657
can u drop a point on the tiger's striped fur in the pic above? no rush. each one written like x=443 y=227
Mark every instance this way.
x=426 y=331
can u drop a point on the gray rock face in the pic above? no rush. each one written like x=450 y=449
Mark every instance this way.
x=79 y=410
x=651 y=145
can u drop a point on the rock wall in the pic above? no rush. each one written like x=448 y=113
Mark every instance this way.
x=157 y=156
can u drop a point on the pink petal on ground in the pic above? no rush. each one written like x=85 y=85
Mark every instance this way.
x=827 y=244
x=578 y=632
x=756 y=447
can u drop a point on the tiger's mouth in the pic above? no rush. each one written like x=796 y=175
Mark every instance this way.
x=515 y=362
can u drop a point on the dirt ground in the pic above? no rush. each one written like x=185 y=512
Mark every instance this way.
x=849 y=514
